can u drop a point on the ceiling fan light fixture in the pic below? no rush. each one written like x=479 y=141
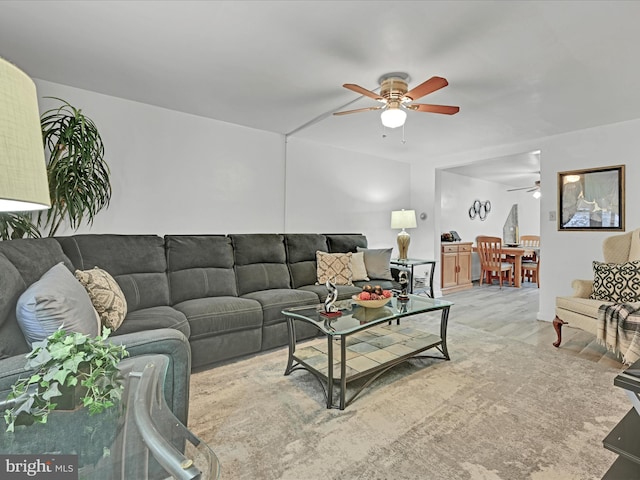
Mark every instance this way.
x=393 y=117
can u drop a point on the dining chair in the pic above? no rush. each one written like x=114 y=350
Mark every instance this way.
x=490 y=252
x=530 y=263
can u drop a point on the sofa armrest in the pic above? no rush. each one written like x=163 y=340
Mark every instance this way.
x=582 y=288
x=164 y=341
x=173 y=344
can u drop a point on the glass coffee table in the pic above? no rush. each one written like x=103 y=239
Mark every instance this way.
x=368 y=342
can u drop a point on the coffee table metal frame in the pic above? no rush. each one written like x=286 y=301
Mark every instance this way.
x=340 y=328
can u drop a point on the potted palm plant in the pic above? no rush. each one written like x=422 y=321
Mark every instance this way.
x=79 y=182
x=70 y=370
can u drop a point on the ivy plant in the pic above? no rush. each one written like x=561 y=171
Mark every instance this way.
x=65 y=361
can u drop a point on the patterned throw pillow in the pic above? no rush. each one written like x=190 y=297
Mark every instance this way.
x=106 y=296
x=335 y=267
x=619 y=283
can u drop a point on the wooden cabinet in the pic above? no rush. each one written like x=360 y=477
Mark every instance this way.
x=455 y=264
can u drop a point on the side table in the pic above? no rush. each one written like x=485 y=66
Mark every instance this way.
x=138 y=438
x=624 y=439
x=410 y=263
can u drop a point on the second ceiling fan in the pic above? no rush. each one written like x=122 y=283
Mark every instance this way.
x=531 y=188
x=396 y=98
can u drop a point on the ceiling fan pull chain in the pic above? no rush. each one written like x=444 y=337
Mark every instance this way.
x=403 y=140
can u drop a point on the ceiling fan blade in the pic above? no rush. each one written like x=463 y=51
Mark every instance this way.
x=431 y=85
x=345 y=112
x=424 y=107
x=516 y=189
x=362 y=91
x=533 y=189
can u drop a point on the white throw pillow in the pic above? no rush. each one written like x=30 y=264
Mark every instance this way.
x=358 y=268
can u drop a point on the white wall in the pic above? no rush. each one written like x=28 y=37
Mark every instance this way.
x=333 y=190
x=173 y=172
x=568 y=255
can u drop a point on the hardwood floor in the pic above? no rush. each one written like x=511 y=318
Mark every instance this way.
x=511 y=312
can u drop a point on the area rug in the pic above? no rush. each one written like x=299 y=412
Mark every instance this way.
x=500 y=409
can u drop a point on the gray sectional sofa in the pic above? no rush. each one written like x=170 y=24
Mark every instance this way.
x=200 y=299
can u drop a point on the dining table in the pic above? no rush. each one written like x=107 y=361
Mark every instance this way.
x=517 y=253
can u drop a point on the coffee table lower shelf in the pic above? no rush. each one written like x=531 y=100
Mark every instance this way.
x=368 y=353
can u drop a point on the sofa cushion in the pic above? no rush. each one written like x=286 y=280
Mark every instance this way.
x=106 y=296
x=153 y=318
x=301 y=256
x=56 y=300
x=33 y=257
x=217 y=315
x=348 y=242
x=12 y=340
x=260 y=262
x=619 y=283
x=275 y=300
x=200 y=266
x=377 y=261
x=136 y=262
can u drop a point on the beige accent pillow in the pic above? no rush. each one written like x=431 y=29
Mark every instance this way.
x=335 y=267
x=358 y=269
x=106 y=296
x=634 y=251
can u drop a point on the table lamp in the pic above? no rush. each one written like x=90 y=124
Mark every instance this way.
x=403 y=219
x=23 y=172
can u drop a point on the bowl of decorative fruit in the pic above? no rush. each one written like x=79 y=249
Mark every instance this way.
x=372 y=297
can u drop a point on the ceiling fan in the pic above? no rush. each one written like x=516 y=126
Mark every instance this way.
x=395 y=98
x=530 y=188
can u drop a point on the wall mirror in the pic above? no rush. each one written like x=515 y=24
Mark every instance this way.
x=591 y=199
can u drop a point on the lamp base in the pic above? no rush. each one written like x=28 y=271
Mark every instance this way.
x=403 y=244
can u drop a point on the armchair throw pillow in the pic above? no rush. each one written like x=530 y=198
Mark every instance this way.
x=618 y=283
x=335 y=267
x=57 y=299
x=106 y=296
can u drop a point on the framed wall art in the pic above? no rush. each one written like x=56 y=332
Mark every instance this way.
x=591 y=199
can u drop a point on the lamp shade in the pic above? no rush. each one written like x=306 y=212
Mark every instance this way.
x=403 y=219
x=393 y=117
x=23 y=171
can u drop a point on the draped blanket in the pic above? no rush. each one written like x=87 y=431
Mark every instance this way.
x=619 y=331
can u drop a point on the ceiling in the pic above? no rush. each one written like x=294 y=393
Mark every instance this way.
x=518 y=70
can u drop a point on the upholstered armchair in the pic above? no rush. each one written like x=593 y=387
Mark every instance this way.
x=580 y=310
